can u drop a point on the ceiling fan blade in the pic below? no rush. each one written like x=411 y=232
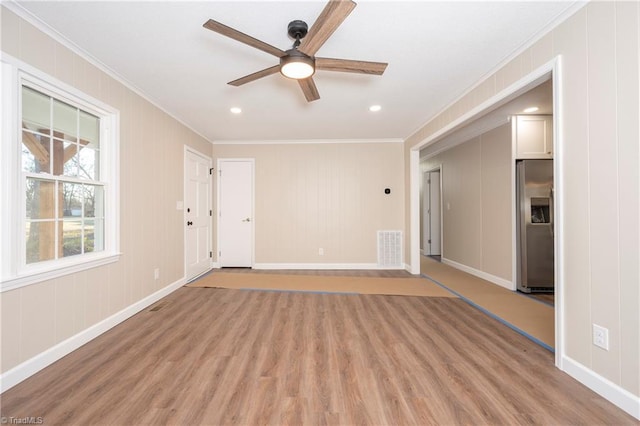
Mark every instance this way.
x=309 y=89
x=348 y=65
x=242 y=37
x=256 y=75
x=329 y=20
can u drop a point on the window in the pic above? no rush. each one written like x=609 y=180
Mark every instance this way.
x=60 y=158
x=64 y=197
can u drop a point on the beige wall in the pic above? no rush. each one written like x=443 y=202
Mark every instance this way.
x=476 y=202
x=330 y=196
x=599 y=169
x=38 y=316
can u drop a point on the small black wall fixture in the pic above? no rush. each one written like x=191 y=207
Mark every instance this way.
x=387 y=190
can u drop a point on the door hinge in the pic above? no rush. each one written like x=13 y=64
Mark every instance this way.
x=210 y=212
x=220 y=172
x=211 y=171
x=211 y=254
x=429 y=241
x=219 y=253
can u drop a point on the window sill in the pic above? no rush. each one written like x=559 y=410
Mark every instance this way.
x=33 y=277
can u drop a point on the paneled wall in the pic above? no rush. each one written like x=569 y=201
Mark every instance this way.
x=39 y=316
x=599 y=154
x=476 y=202
x=323 y=195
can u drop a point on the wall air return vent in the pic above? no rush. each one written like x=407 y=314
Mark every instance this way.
x=390 y=249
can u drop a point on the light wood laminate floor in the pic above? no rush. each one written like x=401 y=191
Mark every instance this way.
x=220 y=356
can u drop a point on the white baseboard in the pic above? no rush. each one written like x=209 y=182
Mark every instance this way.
x=407 y=267
x=320 y=266
x=480 y=274
x=31 y=366
x=622 y=398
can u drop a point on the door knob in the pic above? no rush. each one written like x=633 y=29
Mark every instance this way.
x=247 y=220
x=189 y=223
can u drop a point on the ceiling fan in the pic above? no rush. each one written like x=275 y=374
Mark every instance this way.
x=300 y=62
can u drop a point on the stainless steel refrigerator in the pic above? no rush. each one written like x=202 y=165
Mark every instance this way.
x=534 y=231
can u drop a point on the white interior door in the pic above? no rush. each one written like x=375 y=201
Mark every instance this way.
x=431 y=209
x=235 y=212
x=426 y=203
x=434 y=214
x=197 y=214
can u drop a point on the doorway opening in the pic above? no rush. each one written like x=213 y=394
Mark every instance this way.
x=482 y=119
x=430 y=213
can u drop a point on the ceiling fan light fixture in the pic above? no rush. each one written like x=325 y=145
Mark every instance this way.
x=297 y=65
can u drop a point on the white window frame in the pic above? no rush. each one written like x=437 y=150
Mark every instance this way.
x=14 y=272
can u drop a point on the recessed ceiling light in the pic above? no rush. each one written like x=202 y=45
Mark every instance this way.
x=236 y=110
x=375 y=108
x=531 y=109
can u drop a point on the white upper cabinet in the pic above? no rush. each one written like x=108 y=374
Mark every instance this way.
x=533 y=135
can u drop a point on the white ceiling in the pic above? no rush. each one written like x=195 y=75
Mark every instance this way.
x=435 y=49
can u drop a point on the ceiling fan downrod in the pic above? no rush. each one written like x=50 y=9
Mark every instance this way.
x=297 y=30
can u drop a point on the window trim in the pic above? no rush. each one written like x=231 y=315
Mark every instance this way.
x=14 y=272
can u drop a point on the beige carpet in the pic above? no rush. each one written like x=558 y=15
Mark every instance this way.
x=531 y=316
x=323 y=284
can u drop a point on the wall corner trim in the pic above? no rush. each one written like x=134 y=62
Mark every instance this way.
x=612 y=392
x=31 y=366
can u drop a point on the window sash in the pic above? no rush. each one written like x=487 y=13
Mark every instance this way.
x=61 y=215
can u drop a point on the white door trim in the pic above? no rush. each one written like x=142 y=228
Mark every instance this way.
x=188 y=149
x=253 y=207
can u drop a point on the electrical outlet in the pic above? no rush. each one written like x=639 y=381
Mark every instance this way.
x=156 y=274
x=601 y=337
x=321 y=251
